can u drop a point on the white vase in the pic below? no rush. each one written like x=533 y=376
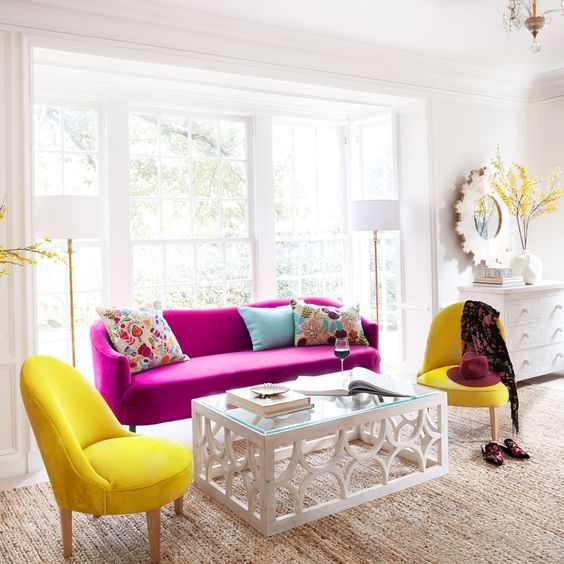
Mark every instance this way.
x=528 y=266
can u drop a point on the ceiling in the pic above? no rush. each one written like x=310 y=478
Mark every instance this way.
x=463 y=31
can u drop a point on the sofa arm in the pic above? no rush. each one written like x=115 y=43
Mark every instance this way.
x=112 y=373
x=370 y=329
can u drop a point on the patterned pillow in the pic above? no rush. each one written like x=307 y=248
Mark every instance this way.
x=143 y=336
x=321 y=325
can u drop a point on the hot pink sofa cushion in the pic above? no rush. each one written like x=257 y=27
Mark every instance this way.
x=221 y=357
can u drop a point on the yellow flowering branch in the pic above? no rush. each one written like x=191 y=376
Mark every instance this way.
x=26 y=255
x=525 y=196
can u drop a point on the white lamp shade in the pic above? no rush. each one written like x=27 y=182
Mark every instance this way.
x=375 y=215
x=68 y=217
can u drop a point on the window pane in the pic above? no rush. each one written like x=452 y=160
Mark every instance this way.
x=151 y=298
x=79 y=128
x=238 y=293
x=175 y=177
x=312 y=287
x=147 y=265
x=143 y=134
x=238 y=261
x=176 y=219
x=52 y=316
x=206 y=220
x=87 y=268
x=233 y=184
x=205 y=178
x=210 y=296
x=204 y=138
x=174 y=135
x=287 y=258
x=288 y=288
x=232 y=138
x=48 y=174
x=143 y=177
x=209 y=262
x=180 y=264
x=311 y=252
x=180 y=298
x=144 y=216
x=85 y=304
x=47 y=130
x=234 y=218
x=81 y=177
x=377 y=159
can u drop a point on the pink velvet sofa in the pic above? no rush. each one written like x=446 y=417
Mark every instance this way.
x=221 y=357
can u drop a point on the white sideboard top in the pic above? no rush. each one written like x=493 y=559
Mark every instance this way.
x=542 y=286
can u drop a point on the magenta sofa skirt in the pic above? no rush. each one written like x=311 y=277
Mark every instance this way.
x=221 y=357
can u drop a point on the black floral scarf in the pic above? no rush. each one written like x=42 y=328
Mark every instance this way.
x=481 y=334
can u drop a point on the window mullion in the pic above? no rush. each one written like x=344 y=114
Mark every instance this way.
x=117 y=202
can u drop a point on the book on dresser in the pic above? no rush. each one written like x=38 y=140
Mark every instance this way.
x=499 y=281
x=287 y=402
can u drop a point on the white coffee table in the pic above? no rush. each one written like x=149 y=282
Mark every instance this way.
x=263 y=469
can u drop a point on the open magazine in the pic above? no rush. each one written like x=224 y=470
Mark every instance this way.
x=355 y=381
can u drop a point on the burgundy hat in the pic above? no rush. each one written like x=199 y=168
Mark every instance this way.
x=474 y=370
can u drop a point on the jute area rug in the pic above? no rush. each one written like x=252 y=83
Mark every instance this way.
x=477 y=513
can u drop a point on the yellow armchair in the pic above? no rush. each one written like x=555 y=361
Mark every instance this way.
x=444 y=350
x=94 y=465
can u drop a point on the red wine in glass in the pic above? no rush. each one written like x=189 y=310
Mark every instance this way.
x=342 y=350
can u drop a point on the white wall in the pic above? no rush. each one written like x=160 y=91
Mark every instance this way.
x=547 y=152
x=464 y=133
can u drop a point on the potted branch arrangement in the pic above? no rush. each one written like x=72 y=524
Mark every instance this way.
x=26 y=255
x=526 y=197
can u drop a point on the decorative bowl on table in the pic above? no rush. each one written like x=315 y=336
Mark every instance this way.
x=267 y=390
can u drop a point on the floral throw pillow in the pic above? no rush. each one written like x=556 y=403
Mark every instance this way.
x=321 y=325
x=143 y=336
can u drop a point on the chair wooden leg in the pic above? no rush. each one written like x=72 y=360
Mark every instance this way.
x=66 y=530
x=178 y=503
x=154 y=529
x=494 y=423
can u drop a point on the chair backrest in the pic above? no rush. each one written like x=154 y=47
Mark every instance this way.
x=67 y=414
x=444 y=343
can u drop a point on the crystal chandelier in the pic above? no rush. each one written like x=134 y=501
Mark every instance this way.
x=523 y=14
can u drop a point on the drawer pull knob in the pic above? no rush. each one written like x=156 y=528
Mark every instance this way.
x=558 y=355
x=525 y=310
x=525 y=335
x=559 y=329
x=526 y=361
x=558 y=306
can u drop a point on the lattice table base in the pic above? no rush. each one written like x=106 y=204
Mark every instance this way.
x=279 y=481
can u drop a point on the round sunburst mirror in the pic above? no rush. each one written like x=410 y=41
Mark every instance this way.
x=483 y=221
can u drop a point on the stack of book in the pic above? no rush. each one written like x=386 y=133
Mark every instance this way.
x=281 y=404
x=499 y=278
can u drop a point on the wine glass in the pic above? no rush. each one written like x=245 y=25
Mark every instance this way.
x=342 y=350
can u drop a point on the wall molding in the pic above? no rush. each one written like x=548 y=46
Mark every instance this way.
x=192 y=38
x=547 y=87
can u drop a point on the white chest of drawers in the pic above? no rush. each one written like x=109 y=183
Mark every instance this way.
x=533 y=321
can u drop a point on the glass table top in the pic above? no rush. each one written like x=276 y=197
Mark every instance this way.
x=325 y=408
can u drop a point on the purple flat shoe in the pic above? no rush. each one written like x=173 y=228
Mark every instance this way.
x=513 y=449
x=492 y=453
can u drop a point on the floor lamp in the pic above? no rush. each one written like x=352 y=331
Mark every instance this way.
x=68 y=217
x=375 y=215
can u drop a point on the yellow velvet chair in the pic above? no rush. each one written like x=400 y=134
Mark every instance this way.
x=444 y=350
x=94 y=465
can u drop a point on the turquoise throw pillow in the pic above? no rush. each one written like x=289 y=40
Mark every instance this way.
x=269 y=328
